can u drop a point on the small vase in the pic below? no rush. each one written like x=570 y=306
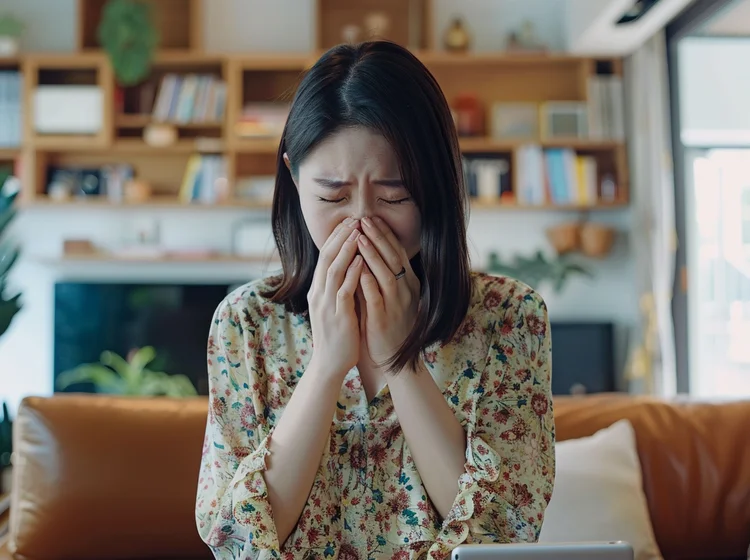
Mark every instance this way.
x=8 y=45
x=457 y=38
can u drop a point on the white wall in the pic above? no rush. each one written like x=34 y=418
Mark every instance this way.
x=26 y=350
x=714 y=91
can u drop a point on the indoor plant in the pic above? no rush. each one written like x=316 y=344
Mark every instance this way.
x=116 y=375
x=11 y=29
x=128 y=35
x=537 y=269
x=9 y=307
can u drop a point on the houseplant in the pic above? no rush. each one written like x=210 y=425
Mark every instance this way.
x=11 y=29
x=116 y=375
x=538 y=269
x=9 y=307
x=128 y=35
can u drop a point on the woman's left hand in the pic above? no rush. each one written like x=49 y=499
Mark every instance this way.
x=391 y=303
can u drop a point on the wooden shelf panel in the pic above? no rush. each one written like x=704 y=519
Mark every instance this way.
x=9 y=153
x=138 y=146
x=481 y=205
x=485 y=144
x=174 y=202
x=167 y=258
x=444 y=58
x=257 y=145
x=156 y=202
x=142 y=121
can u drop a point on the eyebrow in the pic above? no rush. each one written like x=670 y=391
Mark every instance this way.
x=334 y=184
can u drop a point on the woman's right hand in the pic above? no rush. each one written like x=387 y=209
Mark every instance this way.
x=333 y=316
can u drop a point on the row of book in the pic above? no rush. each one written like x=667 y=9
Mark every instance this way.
x=606 y=108
x=561 y=177
x=190 y=98
x=205 y=179
x=10 y=109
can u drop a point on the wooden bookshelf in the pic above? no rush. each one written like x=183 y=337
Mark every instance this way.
x=260 y=78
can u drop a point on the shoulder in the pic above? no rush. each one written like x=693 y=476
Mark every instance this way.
x=498 y=297
x=248 y=306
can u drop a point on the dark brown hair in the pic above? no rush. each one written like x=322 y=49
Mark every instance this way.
x=382 y=86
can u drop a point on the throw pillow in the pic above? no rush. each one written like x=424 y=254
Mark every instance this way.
x=598 y=494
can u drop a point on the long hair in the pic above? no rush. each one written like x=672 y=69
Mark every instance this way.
x=382 y=86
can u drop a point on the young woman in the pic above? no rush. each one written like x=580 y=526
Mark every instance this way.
x=378 y=399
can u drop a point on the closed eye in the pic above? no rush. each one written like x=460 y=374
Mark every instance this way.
x=399 y=201
x=331 y=200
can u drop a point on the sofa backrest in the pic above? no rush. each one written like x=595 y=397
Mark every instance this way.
x=102 y=477
x=695 y=458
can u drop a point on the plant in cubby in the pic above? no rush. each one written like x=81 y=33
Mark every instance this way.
x=129 y=37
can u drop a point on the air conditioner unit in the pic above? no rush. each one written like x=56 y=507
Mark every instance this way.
x=616 y=27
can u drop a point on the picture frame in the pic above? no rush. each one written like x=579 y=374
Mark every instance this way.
x=564 y=119
x=515 y=121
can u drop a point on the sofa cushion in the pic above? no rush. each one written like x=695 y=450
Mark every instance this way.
x=598 y=493
x=100 y=477
x=695 y=459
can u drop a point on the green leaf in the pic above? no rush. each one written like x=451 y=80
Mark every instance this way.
x=102 y=377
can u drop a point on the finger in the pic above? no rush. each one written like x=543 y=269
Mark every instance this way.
x=331 y=249
x=345 y=295
x=335 y=274
x=385 y=242
x=380 y=270
x=371 y=292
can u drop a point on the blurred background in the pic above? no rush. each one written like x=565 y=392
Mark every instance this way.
x=603 y=145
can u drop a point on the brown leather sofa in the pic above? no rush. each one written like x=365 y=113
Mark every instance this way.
x=105 y=478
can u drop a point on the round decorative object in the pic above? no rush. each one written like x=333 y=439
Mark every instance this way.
x=377 y=25
x=596 y=240
x=565 y=238
x=137 y=191
x=160 y=135
x=9 y=46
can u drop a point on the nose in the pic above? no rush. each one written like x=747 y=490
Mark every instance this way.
x=363 y=207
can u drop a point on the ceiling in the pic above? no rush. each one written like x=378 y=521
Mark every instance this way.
x=734 y=21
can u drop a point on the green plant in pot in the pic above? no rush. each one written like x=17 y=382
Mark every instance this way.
x=11 y=29
x=118 y=376
x=128 y=35
x=537 y=269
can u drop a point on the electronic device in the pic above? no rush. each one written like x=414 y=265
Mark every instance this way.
x=614 y=550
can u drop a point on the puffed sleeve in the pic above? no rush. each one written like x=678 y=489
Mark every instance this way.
x=510 y=459
x=233 y=513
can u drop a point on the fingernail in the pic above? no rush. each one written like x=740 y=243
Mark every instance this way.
x=357 y=260
x=364 y=240
x=353 y=235
x=367 y=222
x=348 y=221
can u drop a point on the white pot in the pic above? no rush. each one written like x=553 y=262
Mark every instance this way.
x=8 y=46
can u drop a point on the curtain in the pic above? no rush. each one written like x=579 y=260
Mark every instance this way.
x=651 y=363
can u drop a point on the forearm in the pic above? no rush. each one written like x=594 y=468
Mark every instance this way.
x=297 y=446
x=435 y=437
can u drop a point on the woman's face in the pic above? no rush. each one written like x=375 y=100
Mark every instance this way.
x=355 y=173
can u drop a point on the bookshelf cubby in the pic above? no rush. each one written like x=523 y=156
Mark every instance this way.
x=228 y=109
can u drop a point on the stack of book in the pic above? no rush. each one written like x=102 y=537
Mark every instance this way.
x=192 y=98
x=205 y=179
x=10 y=109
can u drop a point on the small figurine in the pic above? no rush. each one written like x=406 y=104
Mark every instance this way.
x=457 y=37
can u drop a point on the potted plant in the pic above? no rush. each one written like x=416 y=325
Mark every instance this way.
x=11 y=29
x=118 y=376
x=537 y=269
x=128 y=35
x=9 y=307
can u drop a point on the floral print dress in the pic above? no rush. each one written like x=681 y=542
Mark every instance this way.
x=368 y=500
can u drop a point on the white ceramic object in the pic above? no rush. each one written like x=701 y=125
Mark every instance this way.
x=9 y=46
